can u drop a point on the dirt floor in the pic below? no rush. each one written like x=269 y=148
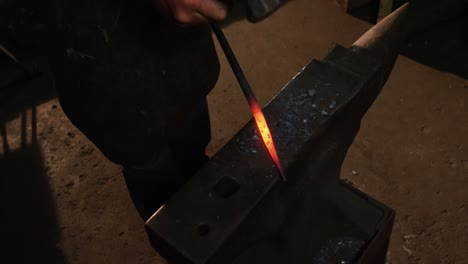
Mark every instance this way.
x=63 y=202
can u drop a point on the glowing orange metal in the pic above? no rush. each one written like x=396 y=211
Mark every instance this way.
x=266 y=135
x=249 y=95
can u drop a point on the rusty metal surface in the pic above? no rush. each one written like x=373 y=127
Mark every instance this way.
x=236 y=209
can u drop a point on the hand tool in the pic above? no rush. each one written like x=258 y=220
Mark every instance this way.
x=250 y=96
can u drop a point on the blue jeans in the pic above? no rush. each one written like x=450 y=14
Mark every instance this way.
x=153 y=182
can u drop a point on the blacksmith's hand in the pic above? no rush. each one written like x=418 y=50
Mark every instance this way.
x=193 y=12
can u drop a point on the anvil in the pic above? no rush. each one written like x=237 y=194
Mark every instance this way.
x=237 y=209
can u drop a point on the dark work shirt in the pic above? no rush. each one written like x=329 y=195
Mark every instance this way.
x=126 y=76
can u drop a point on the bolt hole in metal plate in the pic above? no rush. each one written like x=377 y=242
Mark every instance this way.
x=203 y=229
x=226 y=187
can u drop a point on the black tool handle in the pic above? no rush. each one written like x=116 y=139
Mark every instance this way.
x=236 y=68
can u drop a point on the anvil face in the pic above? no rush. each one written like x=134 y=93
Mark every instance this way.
x=236 y=209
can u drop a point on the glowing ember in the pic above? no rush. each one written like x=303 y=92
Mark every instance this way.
x=266 y=135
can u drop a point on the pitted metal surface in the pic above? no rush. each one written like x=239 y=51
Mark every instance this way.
x=238 y=208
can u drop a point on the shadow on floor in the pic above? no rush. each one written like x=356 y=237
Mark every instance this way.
x=443 y=47
x=29 y=227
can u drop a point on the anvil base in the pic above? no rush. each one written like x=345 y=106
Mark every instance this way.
x=345 y=226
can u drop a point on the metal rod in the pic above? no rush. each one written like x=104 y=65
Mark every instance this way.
x=257 y=112
x=28 y=73
x=244 y=84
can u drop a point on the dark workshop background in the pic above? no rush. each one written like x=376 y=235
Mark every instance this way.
x=65 y=203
